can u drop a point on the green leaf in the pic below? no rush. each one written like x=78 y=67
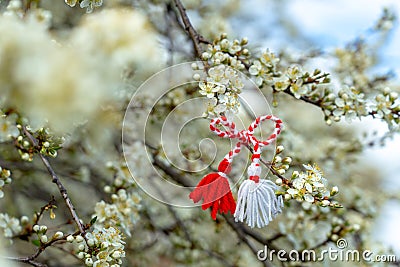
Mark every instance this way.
x=36 y=242
x=93 y=220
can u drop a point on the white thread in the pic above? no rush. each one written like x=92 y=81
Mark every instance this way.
x=257 y=203
x=223 y=174
x=253 y=170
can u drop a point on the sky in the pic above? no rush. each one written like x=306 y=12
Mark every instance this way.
x=328 y=24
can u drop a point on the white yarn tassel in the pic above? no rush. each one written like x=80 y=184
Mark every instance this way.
x=257 y=203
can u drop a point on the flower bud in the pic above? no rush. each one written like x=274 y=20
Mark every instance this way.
x=194 y=66
x=116 y=254
x=104 y=244
x=356 y=227
x=118 y=182
x=325 y=203
x=43 y=239
x=334 y=237
x=70 y=238
x=26 y=144
x=89 y=262
x=79 y=238
x=6 y=173
x=285 y=167
x=205 y=56
x=107 y=189
x=281 y=171
x=379 y=98
x=24 y=220
x=90 y=242
x=81 y=255
x=393 y=96
x=287 y=160
x=58 y=235
x=25 y=156
x=43 y=228
x=334 y=190
x=277 y=159
x=279 y=149
x=36 y=228
x=386 y=91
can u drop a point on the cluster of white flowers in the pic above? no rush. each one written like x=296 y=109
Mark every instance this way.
x=231 y=53
x=354 y=61
x=349 y=103
x=120 y=37
x=5 y=178
x=386 y=21
x=11 y=226
x=222 y=86
x=8 y=126
x=47 y=143
x=386 y=106
x=88 y=4
x=63 y=100
x=123 y=211
x=123 y=178
x=104 y=247
x=264 y=68
x=225 y=59
x=281 y=165
x=41 y=231
x=310 y=186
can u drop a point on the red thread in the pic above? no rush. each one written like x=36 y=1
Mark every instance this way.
x=215 y=192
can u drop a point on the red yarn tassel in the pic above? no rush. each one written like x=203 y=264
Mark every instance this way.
x=215 y=191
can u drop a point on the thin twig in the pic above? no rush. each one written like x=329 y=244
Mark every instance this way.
x=58 y=182
x=193 y=34
x=30 y=259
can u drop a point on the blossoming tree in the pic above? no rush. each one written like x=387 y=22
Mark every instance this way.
x=123 y=123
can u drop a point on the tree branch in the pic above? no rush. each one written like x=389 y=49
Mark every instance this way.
x=193 y=34
x=57 y=181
